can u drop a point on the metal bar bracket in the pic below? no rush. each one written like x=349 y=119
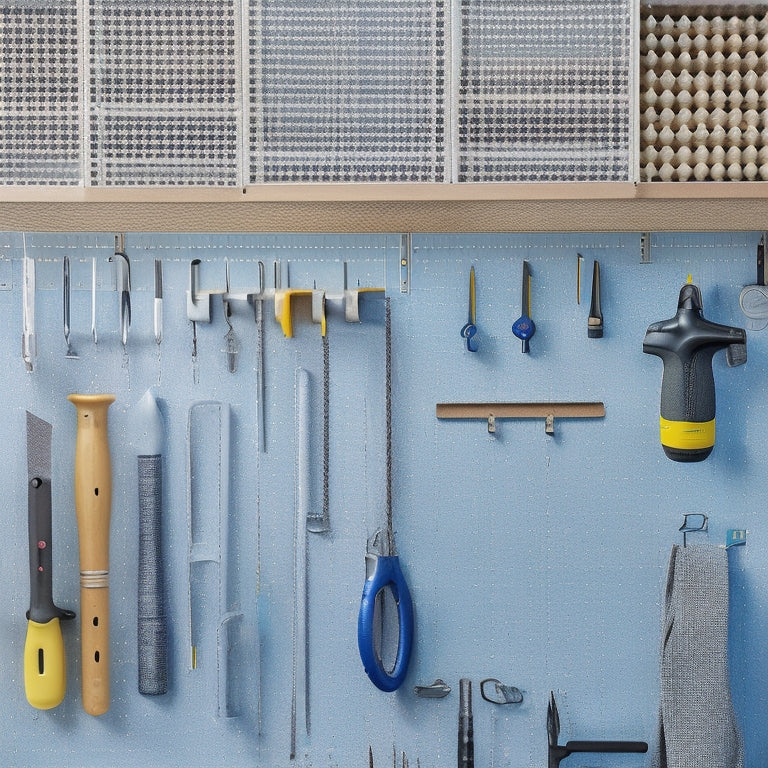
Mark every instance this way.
x=489 y=412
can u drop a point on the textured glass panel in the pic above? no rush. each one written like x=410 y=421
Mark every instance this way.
x=347 y=90
x=164 y=92
x=544 y=91
x=39 y=93
x=703 y=93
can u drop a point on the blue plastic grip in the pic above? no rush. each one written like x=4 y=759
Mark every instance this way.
x=386 y=573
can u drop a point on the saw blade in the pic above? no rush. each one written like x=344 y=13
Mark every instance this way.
x=38 y=447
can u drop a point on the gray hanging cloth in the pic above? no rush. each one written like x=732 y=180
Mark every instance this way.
x=697 y=724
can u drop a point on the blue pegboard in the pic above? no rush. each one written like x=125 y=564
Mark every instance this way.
x=535 y=559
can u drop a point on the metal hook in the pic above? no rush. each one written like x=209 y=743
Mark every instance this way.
x=691 y=527
x=436 y=690
x=502 y=694
x=225 y=297
x=230 y=339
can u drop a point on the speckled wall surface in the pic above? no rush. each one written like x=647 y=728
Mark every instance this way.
x=538 y=560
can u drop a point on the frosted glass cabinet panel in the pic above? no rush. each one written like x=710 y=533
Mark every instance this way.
x=545 y=91
x=236 y=92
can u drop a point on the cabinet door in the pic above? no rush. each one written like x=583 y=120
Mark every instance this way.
x=39 y=94
x=544 y=92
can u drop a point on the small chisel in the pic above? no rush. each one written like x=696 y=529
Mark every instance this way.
x=158 y=304
x=595 y=322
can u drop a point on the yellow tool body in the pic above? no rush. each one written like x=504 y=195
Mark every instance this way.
x=93 y=499
x=45 y=672
x=686 y=344
x=687 y=435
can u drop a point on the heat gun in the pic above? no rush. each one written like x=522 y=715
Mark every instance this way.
x=686 y=344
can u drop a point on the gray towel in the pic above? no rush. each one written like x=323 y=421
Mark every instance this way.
x=697 y=724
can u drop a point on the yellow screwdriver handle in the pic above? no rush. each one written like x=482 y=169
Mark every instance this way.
x=93 y=499
x=45 y=676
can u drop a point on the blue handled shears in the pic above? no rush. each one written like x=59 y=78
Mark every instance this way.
x=382 y=573
x=469 y=330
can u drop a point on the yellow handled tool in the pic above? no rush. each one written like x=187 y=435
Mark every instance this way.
x=93 y=499
x=45 y=675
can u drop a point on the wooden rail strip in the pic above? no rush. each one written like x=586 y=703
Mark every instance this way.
x=489 y=412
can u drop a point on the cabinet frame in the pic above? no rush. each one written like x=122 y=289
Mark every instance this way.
x=357 y=208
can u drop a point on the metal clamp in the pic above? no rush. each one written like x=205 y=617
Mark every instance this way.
x=198 y=304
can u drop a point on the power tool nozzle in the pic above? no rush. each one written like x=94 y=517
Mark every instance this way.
x=686 y=344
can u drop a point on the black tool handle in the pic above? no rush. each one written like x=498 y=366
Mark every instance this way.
x=152 y=631
x=41 y=606
x=606 y=746
x=688 y=386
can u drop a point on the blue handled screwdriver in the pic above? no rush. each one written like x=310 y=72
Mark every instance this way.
x=469 y=330
x=524 y=327
x=383 y=572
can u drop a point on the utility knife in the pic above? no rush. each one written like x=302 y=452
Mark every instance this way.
x=44 y=661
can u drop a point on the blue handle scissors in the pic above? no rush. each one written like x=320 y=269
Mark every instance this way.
x=383 y=573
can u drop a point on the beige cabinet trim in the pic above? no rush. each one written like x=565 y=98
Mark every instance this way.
x=544 y=207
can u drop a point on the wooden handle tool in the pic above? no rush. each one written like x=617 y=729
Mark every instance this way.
x=93 y=498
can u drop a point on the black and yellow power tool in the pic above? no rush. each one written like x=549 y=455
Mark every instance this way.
x=686 y=344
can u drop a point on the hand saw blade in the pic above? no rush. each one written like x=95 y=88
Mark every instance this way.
x=44 y=659
x=38 y=447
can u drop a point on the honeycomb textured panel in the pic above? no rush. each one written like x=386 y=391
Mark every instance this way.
x=39 y=93
x=347 y=91
x=544 y=91
x=703 y=97
x=164 y=93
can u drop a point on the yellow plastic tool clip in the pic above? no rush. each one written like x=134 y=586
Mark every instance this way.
x=283 y=297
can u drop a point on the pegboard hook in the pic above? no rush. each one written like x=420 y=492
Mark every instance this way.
x=693 y=522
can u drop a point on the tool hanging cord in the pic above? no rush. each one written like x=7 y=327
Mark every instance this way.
x=383 y=573
x=326 y=428
x=388 y=418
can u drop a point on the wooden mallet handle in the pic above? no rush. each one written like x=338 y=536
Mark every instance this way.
x=93 y=499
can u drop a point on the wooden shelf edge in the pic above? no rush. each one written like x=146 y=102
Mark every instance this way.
x=373 y=208
x=387 y=193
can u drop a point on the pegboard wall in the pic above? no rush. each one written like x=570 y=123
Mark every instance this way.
x=536 y=559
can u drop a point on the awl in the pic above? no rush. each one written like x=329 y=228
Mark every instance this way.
x=45 y=677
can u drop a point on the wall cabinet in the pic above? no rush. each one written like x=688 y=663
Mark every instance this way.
x=391 y=116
